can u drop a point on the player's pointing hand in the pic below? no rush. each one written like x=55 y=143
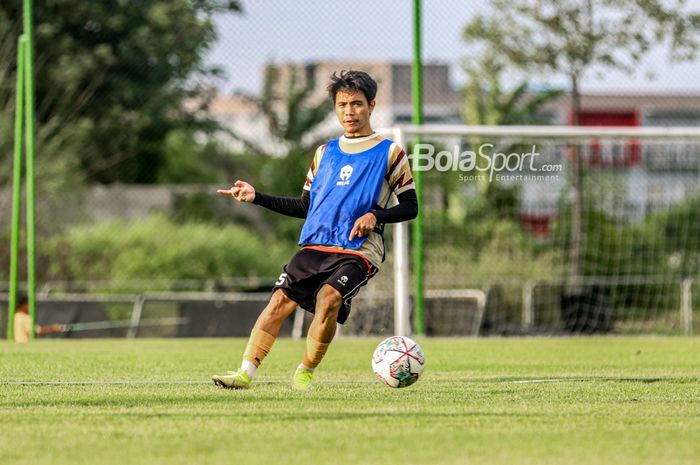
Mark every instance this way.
x=241 y=191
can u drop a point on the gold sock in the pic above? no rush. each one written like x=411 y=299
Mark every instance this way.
x=314 y=352
x=259 y=346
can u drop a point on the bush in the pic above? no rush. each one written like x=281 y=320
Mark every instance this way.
x=157 y=248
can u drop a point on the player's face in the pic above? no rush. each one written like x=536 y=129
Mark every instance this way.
x=353 y=111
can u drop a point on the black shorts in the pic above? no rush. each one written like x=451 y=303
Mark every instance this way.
x=309 y=269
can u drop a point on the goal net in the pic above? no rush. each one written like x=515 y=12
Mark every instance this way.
x=561 y=229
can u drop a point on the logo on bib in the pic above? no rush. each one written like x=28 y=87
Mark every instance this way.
x=345 y=173
x=343 y=280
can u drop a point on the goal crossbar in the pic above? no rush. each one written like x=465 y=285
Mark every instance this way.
x=553 y=132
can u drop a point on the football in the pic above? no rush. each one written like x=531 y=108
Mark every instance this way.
x=398 y=361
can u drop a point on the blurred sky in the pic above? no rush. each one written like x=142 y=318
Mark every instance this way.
x=312 y=30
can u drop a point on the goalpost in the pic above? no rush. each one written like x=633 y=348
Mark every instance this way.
x=638 y=258
x=24 y=135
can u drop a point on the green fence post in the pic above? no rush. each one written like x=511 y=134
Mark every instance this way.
x=28 y=17
x=16 y=189
x=417 y=118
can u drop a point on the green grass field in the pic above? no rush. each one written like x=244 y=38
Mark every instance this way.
x=618 y=401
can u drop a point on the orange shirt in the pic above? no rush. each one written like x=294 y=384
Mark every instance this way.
x=23 y=327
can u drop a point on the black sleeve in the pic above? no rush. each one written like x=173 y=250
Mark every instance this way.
x=407 y=209
x=297 y=207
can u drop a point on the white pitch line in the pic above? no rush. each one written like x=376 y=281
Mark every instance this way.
x=74 y=383
x=602 y=379
x=140 y=382
x=552 y=380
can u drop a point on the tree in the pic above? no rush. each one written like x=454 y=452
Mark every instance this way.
x=571 y=37
x=294 y=116
x=124 y=70
x=488 y=102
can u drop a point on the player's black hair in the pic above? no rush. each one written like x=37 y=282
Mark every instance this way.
x=352 y=80
x=22 y=299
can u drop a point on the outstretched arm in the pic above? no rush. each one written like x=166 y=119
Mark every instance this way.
x=50 y=329
x=296 y=207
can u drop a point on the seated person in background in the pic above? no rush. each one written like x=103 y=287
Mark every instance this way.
x=23 y=323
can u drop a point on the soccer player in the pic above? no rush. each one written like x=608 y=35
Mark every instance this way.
x=344 y=201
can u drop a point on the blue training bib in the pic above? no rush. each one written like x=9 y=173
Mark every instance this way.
x=345 y=187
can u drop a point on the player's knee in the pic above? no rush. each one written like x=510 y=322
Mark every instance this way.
x=328 y=302
x=280 y=306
